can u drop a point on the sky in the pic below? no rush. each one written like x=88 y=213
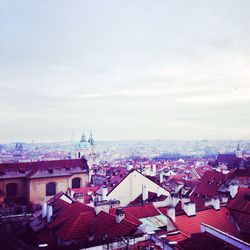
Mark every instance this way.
x=127 y=70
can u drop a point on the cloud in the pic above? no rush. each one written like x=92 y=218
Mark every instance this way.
x=134 y=70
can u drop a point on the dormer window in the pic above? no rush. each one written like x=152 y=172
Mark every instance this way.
x=21 y=171
x=50 y=170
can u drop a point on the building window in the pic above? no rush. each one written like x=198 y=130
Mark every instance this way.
x=11 y=190
x=51 y=189
x=76 y=182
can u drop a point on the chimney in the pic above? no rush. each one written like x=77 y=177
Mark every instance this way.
x=129 y=167
x=224 y=199
x=171 y=212
x=153 y=170
x=159 y=192
x=216 y=203
x=144 y=193
x=189 y=208
x=72 y=193
x=208 y=202
x=104 y=192
x=44 y=209
x=161 y=177
x=49 y=213
x=184 y=200
x=233 y=189
x=119 y=215
x=174 y=199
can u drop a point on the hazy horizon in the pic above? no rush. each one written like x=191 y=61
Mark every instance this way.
x=127 y=70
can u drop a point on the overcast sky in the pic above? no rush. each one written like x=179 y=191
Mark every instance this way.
x=124 y=69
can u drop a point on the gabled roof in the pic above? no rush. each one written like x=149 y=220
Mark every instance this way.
x=129 y=217
x=73 y=222
x=240 y=209
x=152 y=197
x=231 y=160
x=142 y=211
x=105 y=227
x=205 y=241
x=117 y=180
x=219 y=219
x=241 y=201
x=58 y=204
x=209 y=184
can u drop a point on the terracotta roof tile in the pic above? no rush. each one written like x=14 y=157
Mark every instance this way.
x=105 y=227
x=42 y=169
x=218 y=219
x=142 y=211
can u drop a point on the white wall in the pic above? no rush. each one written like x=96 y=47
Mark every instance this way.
x=131 y=187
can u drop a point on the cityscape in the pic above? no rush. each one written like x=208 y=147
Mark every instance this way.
x=124 y=125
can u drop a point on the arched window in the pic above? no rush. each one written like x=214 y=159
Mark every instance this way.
x=11 y=190
x=51 y=189
x=76 y=182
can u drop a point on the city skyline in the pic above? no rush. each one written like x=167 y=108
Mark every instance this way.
x=125 y=70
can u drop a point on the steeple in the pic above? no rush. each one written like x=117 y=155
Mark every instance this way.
x=91 y=139
x=238 y=151
x=83 y=138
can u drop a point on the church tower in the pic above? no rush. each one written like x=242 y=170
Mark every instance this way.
x=84 y=148
x=91 y=139
x=238 y=151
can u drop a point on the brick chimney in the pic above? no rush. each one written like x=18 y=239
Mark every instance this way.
x=119 y=215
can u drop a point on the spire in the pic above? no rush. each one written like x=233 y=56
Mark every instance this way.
x=83 y=138
x=238 y=151
x=91 y=139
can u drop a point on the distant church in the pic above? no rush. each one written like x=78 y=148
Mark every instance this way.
x=85 y=147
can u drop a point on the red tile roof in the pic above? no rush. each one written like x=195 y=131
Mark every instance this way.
x=218 y=219
x=240 y=209
x=177 y=237
x=209 y=183
x=105 y=227
x=206 y=241
x=142 y=211
x=41 y=169
x=241 y=201
x=129 y=217
x=59 y=205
